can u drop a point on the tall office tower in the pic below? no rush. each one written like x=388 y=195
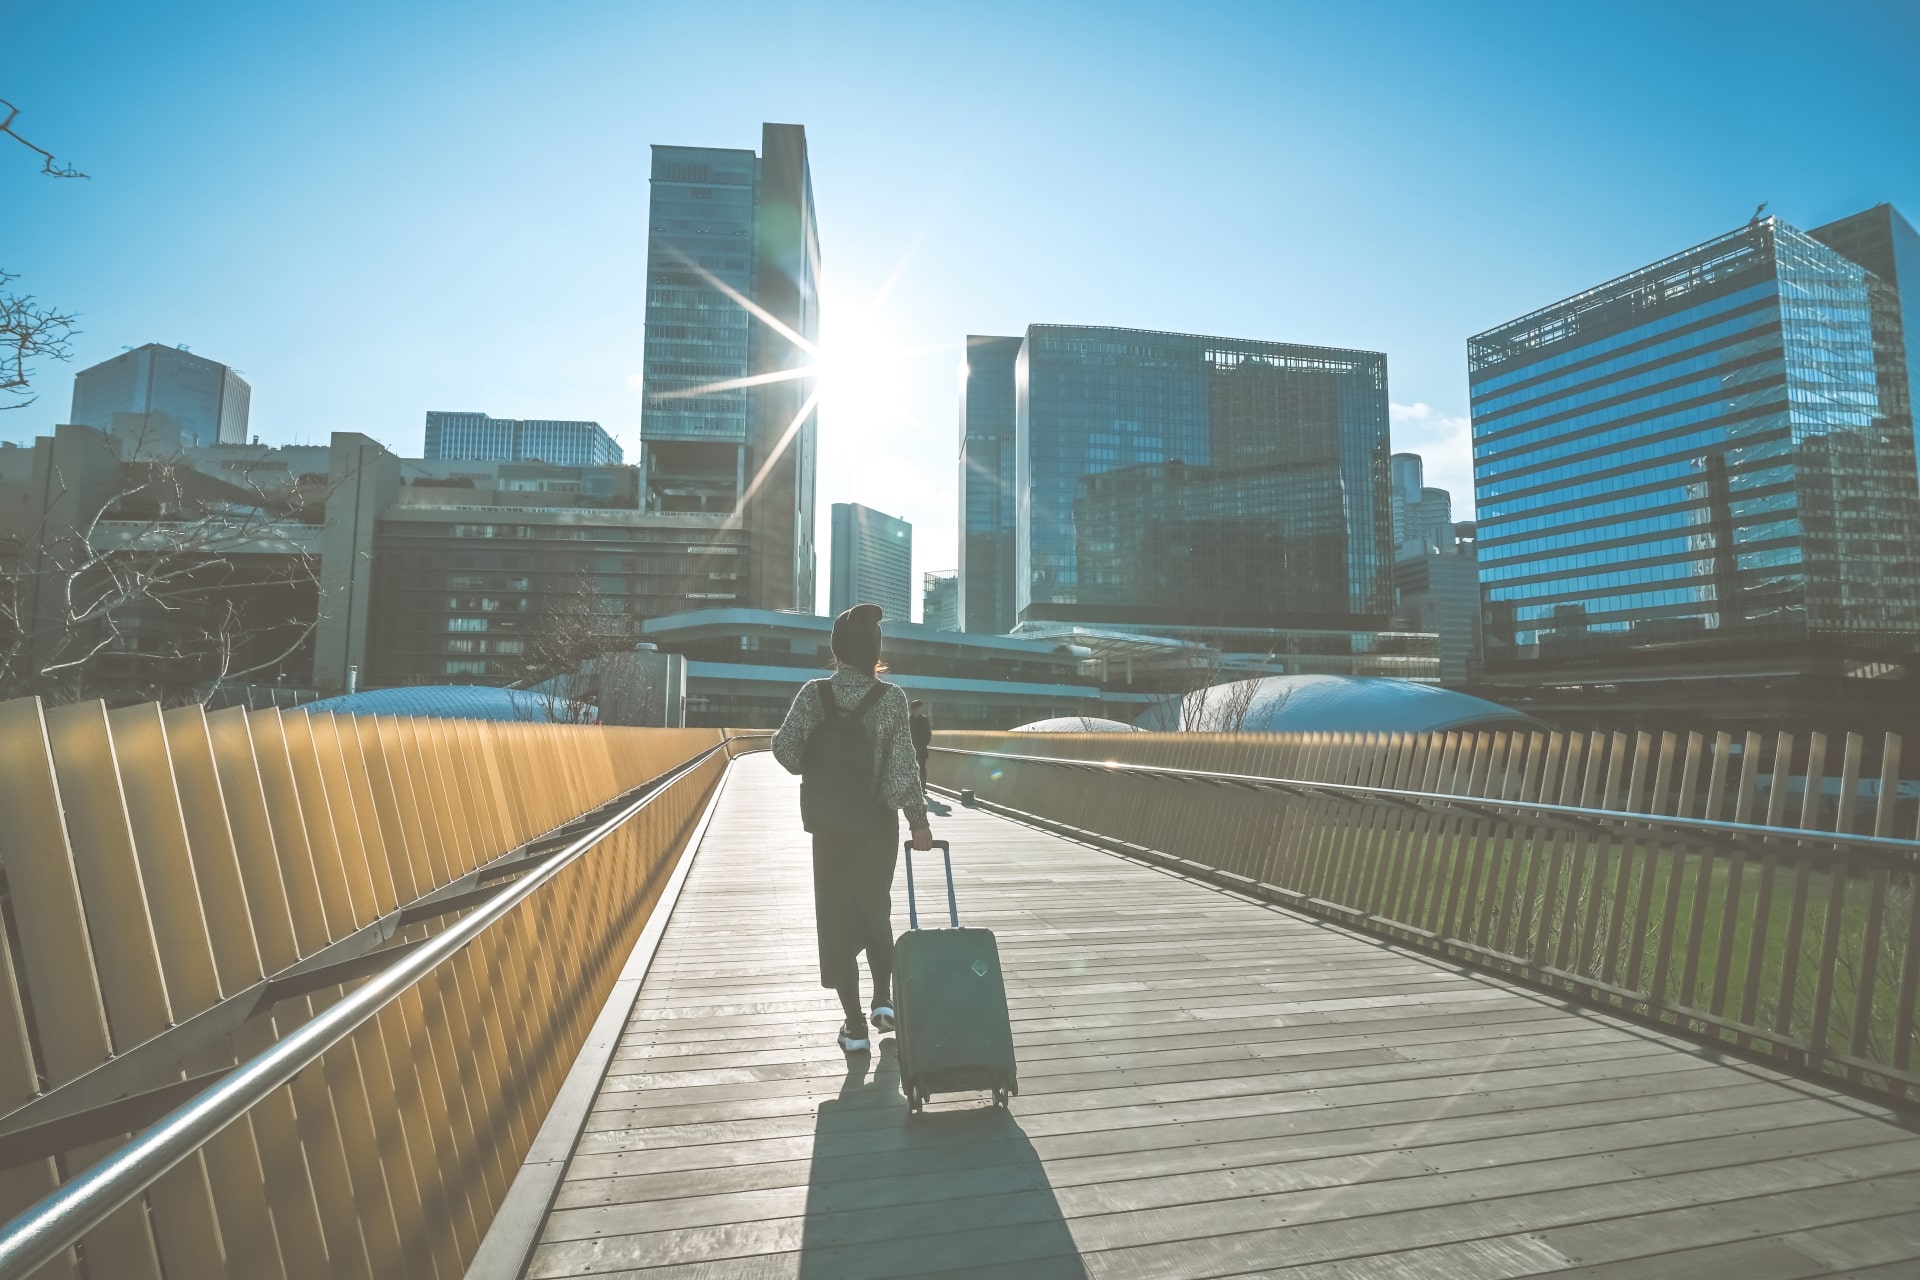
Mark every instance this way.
x=477 y=437
x=159 y=400
x=940 y=600
x=1422 y=516
x=1703 y=473
x=1176 y=483
x=872 y=561
x=1883 y=242
x=733 y=260
x=986 y=485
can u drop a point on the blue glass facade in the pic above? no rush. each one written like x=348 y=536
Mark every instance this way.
x=1220 y=482
x=479 y=437
x=699 y=237
x=1699 y=450
x=733 y=256
x=987 y=470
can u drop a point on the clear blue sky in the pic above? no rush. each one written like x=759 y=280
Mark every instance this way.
x=376 y=210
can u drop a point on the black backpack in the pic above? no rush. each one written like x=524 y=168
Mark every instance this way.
x=839 y=786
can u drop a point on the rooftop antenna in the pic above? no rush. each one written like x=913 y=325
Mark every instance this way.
x=1758 y=209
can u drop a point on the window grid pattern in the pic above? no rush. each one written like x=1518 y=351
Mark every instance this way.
x=1726 y=400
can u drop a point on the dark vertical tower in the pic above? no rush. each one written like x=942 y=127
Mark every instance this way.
x=986 y=485
x=733 y=260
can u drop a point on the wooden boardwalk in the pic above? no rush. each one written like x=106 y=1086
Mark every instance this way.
x=1209 y=1087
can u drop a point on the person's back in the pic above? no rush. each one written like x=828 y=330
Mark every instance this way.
x=849 y=739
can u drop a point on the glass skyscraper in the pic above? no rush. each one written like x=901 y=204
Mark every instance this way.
x=733 y=261
x=1708 y=460
x=872 y=562
x=1173 y=482
x=478 y=437
x=986 y=485
x=159 y=400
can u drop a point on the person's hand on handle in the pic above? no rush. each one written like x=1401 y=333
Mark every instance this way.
x=922 y=839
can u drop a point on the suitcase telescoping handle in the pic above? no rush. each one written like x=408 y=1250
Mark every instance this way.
x=913 y=908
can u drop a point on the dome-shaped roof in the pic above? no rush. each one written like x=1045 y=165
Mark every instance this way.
x=1342 y=704
x=1076 y=724
x=447 y=702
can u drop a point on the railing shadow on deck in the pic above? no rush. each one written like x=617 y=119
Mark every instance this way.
x=949 y=1189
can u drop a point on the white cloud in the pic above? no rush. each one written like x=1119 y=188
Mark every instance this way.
x=1444 y=442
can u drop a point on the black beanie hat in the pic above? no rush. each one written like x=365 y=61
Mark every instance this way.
x=856 y=636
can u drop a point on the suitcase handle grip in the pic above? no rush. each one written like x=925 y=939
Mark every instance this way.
x=913 y=907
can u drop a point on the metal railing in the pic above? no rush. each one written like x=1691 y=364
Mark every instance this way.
x=1661 y=877
x=331 y=969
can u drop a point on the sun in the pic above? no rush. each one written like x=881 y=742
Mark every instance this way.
x=864 y=371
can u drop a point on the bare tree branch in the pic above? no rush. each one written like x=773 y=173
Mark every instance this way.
x=171 y=585
x=27 y=331
x=47 y=165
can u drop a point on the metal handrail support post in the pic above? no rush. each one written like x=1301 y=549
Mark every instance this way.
x=1902 y=852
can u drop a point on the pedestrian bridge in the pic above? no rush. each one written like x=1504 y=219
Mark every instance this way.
x=1277 y=1014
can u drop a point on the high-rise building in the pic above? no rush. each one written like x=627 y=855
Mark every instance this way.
x=477 y=437
x=157 y=401
x=1422 y=516
x=940 y=600
x=728 y=421
x=1182 y=485
x=1705 y=468
x=1437 y=589
x=872 y=561
x=987 y=469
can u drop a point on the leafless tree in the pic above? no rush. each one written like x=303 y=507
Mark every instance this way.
x=573 y=627
x=28 y=332
x=167 y=585
x=47 y=164
x=1213 y=698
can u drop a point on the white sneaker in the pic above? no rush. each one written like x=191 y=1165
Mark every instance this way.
x=853 y=1039
x=883 y=1018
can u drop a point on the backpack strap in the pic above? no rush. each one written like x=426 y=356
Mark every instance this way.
x=872 y=696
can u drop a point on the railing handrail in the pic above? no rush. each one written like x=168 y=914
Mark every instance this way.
x=62 y=1217
x=1901 y=849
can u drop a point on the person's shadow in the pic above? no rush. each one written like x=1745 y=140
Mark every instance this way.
x=947 y=1190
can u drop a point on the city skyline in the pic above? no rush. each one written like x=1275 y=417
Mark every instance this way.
x=938 y=220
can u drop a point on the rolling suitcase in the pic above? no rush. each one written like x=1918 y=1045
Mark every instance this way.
x=950 y=1005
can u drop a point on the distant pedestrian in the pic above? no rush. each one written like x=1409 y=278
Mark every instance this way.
x=848 y=739
x=922 y=729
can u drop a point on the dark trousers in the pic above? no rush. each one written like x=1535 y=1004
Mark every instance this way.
x=853 y=905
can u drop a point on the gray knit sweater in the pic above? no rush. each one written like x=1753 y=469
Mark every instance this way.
x=893 y=759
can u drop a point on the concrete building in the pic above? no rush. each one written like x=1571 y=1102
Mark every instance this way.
x=940 y=600
x=159 y=400
x=1436 y=577
x=344 y=566
x=479 y=438
x=728 y=418
x=1438 y=590
x=872 y=561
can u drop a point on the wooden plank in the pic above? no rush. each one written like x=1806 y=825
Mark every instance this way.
x=1195 y=1068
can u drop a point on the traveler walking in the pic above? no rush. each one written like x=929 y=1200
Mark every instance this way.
x=848 y=739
